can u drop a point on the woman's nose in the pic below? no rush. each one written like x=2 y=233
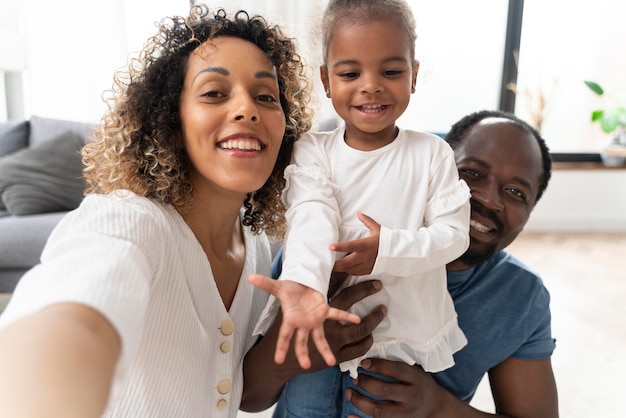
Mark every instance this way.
x=244 y=109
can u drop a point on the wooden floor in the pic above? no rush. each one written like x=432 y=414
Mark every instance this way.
x=586 y=277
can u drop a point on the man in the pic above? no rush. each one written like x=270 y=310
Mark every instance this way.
x=503 y=307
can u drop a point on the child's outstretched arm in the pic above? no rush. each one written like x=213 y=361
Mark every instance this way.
x=304 y=310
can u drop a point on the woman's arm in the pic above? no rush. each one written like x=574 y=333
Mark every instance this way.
x=58 y=362
x=264 y=379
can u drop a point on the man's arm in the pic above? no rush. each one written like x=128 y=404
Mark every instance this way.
x=521 y=389
x=264 y=379
x=524 y=388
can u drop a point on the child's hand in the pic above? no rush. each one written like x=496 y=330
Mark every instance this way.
x=362 y=252
x=304 y=310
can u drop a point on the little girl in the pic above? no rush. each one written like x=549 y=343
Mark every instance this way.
x=393 y=193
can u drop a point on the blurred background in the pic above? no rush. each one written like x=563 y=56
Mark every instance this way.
x=57 y=57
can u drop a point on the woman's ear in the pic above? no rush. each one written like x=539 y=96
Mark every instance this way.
x=325 y=80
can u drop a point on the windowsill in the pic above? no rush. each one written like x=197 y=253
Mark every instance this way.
x=582 y=165
x=580 y=161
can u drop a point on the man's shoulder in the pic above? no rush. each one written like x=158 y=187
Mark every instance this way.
x=504 y=260
x=506 y=274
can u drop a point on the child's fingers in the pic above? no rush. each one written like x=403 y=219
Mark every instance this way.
x=344 y=247
x=319 y=339
x=282 y=343
x=339 y=315
x=370 y=223
x=301 y=348
x=264 y=283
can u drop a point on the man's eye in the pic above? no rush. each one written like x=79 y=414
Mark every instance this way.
x=517 y=193
x=469 y=172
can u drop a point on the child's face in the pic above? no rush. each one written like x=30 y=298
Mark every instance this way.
x=232 y=120
x=370 y=75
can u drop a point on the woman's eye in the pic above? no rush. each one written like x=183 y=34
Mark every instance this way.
x=213 y=94
x=267 y=98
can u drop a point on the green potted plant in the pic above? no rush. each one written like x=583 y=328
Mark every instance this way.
x=612 y=120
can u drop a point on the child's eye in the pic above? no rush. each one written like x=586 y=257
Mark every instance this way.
x=349 y=74
x=392 y=73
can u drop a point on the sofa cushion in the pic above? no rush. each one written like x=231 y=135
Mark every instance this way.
x=44 y=178
x=13 y=136
x=43 y=129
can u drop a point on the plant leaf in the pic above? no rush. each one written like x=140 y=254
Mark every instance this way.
x=595 y=87
x=596 y=115
x=609 y=122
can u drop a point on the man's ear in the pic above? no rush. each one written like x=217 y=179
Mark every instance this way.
x=416 y=68
x=324 y=78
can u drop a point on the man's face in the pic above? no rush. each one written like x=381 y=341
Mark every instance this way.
x=502 y=165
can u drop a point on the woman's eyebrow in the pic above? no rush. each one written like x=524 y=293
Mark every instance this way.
x=265 y=74
x=223 y=71
x=220 y=70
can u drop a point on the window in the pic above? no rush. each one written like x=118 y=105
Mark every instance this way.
x=564 y=43
x=460 y=46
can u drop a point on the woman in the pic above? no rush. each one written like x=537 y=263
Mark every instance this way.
x=138 y=307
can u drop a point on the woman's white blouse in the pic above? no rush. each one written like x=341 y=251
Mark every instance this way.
x=138 y=263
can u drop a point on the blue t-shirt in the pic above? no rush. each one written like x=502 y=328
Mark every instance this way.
x=503 y=309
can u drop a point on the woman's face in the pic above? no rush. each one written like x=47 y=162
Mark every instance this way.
x=232 y=120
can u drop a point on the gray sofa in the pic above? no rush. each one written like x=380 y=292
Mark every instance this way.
x=40 y=181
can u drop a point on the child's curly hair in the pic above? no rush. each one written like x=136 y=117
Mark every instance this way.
x=136 y=145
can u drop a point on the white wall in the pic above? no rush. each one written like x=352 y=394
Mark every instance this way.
x=69 y=49
x=582 y=200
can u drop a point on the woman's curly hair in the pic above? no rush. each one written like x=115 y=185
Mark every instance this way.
x=137 y=144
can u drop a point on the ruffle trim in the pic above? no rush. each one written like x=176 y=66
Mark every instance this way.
x=314 y=173
x=434 y=356
x=449 y=200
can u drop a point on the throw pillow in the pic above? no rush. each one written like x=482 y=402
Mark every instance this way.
x=44 y=178
x=13 y=136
